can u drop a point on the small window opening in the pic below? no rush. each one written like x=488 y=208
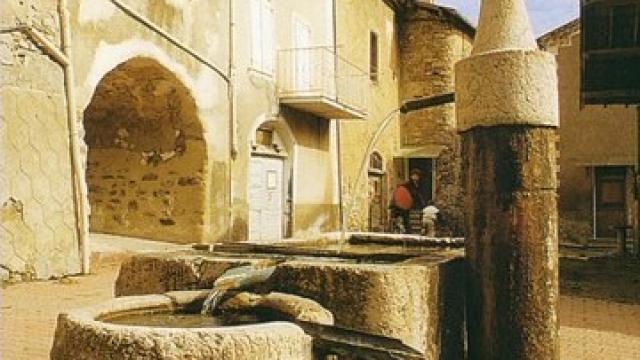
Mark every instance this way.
x=373 y=56
x=264 y=137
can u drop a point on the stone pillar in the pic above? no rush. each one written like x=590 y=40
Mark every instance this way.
x=507 y=108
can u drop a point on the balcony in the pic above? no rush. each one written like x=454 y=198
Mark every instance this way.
x=317 y=81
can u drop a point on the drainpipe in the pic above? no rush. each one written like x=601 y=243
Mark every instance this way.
x=343 y=220
x=233 y=146
x=47 y=47
x=77 y=170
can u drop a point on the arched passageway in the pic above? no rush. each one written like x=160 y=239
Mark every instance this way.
x=147 y=155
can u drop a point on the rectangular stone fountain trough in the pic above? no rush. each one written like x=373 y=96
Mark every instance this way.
x=407 y=288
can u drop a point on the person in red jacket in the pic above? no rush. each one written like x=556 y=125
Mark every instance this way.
x=407 y=197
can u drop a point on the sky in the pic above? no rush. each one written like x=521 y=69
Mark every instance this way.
x=545 y=15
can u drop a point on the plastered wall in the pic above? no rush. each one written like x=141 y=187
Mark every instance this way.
x=38 y=237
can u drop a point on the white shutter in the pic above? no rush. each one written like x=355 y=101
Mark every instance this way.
x=302 y=39
x=268 y=50
x=256 y=36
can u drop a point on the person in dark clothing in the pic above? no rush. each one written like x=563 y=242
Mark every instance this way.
x=414 y=186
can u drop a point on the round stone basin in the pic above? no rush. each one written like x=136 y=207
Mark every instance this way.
x=166 y=327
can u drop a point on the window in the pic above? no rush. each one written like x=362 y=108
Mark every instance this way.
x=610 y=190
x=612 y=26
x=264 y=137
x=623 y=20
x=302 y=44
x=262 y=36
x=373 y=56
x=376 y=162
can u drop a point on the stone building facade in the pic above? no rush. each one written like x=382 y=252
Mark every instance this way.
x=212 y=120
x=418 y=46
x=433 y=39
x=597 y=151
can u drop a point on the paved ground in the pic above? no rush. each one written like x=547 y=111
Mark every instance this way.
x=590 y=329
x=29 y=310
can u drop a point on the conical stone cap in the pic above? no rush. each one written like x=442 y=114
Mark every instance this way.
x=507 y=80
x=503 y=25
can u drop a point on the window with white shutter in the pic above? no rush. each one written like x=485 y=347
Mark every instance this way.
x=262 y=36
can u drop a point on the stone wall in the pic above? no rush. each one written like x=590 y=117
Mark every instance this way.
x=432 y=40
x=37 y=217
x=147 y=156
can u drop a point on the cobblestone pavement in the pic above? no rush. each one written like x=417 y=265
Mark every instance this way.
x=590 y=329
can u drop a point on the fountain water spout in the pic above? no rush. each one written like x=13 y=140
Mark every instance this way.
x=407 y=107
x=238 y=278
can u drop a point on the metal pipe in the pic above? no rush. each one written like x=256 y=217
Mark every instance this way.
x=80 y=193
x=231 y=77
x=343 y=222
x=44 y=44
x=153 y=27
x=233 y=146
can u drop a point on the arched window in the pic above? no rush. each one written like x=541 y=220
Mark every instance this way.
x=376 y=163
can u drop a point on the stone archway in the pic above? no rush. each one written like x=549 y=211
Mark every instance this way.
x=146 y=165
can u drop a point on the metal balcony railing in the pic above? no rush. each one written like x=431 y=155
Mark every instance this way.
x=316 y=80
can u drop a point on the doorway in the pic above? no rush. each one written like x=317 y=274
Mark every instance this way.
x=610 y=200
x=266 y=189
x=425 y=165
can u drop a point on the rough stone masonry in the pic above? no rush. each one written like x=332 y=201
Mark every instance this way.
x=507 y=106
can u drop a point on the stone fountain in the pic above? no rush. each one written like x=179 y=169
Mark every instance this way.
x=387 y=297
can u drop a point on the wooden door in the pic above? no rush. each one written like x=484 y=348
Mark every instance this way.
x=610 y=200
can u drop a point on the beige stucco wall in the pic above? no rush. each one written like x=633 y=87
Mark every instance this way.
x=591 y=136
x=308 y=139
x=105 y=37
x=355 y=20
x=37 y=218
